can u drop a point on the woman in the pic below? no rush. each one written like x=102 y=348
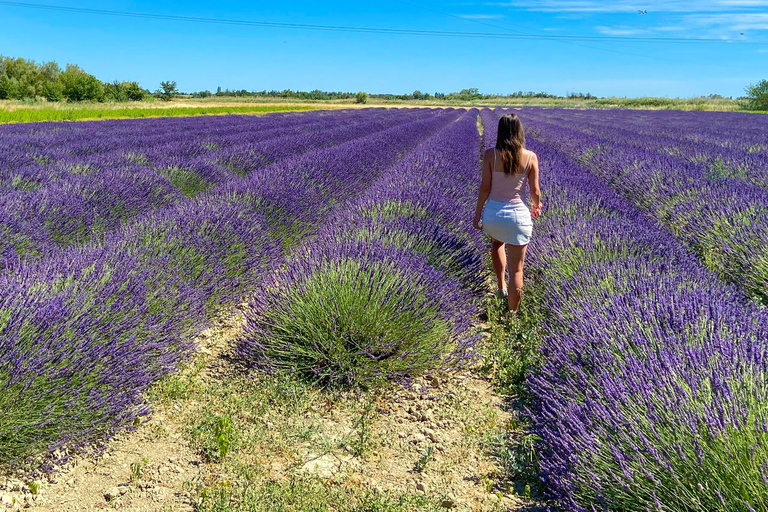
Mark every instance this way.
x=507 y=169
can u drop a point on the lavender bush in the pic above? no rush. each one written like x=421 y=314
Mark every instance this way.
x=724 y=218
x=362 y=302
x=352 y=313
x=650 y=395
x=84 y=330
x=67 y=184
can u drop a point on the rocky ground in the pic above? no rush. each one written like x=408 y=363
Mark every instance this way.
x=442 y=442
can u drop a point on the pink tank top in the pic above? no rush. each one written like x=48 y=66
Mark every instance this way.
x=508 y=188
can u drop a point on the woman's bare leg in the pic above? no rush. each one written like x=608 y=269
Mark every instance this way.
x=499 y=257
x=516 y=262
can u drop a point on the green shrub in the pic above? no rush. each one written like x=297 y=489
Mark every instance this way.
x=361 y=97
x=757 y=96
x=348 y=319
x=133 y=91
x=167 y=91
x=79 y=85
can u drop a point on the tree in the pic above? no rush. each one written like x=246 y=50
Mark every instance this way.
x=79 y=85
x=133 y=91
x=361 y=97
x=168 y=90
x=53 y=91
x=757 y=96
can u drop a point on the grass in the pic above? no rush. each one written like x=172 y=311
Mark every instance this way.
x=700 y=103
x=94 y=111
x=307 y=493
x=352 y=322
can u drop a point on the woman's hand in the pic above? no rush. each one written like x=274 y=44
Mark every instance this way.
x=477 y=223
x=536 y=210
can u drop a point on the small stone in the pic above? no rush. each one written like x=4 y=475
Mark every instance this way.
x=448 y=503
x=15 y=485
x=431 y=434
x=112 y=494
x=418 y=438
x=421 y=487
x=7 y=499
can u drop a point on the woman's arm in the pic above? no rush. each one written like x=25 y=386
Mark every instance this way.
x=533 y=185
x=485 y=188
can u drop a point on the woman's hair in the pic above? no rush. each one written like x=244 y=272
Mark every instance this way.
x=510 y=141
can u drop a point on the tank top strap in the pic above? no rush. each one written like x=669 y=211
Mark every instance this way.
x=530 y=157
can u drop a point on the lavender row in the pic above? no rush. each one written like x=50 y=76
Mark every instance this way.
x=84 y=334
x=730 y=130
x=723 y=145
x=724 y=221
x=73 y=209
x=650 y=394
x=61 y=151
x=388 y=287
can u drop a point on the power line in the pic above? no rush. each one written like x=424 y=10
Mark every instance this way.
x=503 y=27
x=374 y=30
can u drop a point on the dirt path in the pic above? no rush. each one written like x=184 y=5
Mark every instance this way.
x=436 y=438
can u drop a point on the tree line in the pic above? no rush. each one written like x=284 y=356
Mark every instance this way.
x=25 y=79
x=22 y=79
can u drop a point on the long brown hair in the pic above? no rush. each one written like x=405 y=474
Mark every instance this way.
x=510 y=141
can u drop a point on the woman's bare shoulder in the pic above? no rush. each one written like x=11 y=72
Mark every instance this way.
x=488 y=153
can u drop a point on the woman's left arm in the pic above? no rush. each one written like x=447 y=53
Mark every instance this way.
x=485 y=189
x=533 y=185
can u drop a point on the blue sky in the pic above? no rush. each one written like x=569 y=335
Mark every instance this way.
x=207 y=55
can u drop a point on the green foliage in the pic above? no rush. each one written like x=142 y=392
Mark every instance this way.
x=188 y=181
x=518 y=458
x=466 y=94
x=136 y=470
x=133 y=91
x=757 y=96
x=215 y=436
x=23 y=79
x=167 y=90
x=23 y=115
x=349 y=325
x=513 y=348
x=302 y=493
x=424 y=459
x=123 y=91
x=53 y=91
x=361 y=97
x=223 y=433
x=79 y=85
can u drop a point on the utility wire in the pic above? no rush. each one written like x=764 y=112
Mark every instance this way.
x=375 y=30
x=572 y=43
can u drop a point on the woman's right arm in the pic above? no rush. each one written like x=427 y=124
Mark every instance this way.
x=533 y=184
x=484 y=191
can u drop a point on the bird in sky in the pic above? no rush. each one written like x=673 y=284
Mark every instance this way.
x=642 y=12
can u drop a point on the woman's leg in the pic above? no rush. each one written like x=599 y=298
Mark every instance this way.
x=516 y=261
x=499 y=257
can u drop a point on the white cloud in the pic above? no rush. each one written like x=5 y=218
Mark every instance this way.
x=624 y=6
x=738 y=22
x=620 y=31
x=481 y=16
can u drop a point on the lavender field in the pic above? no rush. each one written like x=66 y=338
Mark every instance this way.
x=348 y=234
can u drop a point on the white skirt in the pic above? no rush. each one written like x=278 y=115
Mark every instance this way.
x=507 y=222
